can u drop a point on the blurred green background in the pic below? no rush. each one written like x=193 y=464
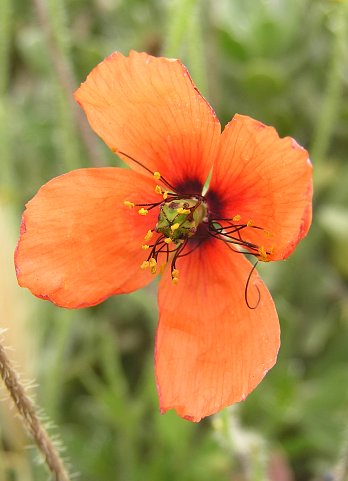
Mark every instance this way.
x=284 y=62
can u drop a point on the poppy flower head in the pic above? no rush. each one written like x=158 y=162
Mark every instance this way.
x=214 y=344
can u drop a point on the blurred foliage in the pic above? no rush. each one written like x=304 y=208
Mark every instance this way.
x=284 y=62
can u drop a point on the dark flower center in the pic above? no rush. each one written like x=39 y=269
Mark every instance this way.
x=184 y=223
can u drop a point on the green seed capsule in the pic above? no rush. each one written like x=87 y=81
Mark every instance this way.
x=179 y=219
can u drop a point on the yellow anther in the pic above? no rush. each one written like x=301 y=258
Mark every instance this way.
x=145 y=265
x=249 y=223
x=128 y=204
x=152 y=262
x=263 y=254
x=165 y=195
x=158 y=189
x=175 y=276
x=236 y=218
x=175 y=226
x=167 y=240
x=183 y=211
x=143 y=211
x=148 y=235
x=145 y=247
x=153 y=265
x=175 y=273
x=157 y=175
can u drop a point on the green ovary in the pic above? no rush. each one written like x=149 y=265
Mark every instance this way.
x=178 y=219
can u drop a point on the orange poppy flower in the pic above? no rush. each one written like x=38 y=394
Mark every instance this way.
x=93 y=233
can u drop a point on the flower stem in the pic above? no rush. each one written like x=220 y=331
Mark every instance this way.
x=179 y=15
x=331 y=101
x=31 y=419
x=196 y=49
x=184 y=30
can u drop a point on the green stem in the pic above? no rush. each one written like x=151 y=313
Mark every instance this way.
x=7 y=174
x=331 y=101
x=179 y=17
x=185 y=39
x=196 y=50
x=5 y=33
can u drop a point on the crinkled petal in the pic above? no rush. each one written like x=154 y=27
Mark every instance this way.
x=266 y=179
x=79 y=244
x=211 y=349
x=150 y=109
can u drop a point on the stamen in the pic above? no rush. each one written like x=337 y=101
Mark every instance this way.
x=128 y=204
x=158 y=189
x=175 y=226
x=165 y=194
x=153 y=265
x=175 y=276
x=145 y=247
x=263 y=256
x=145 y=265
x=148 y=235
x=232 y=235
x=236 y=218
x=156 y=174
x=143 y=211
x=167 y=240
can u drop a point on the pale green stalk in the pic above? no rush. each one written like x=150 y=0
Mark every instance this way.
x=184 y=38
x=5 y=34
x=5 y=156
x=59 y=27
x=196 y=51
x=327 y=120
x=179 y=14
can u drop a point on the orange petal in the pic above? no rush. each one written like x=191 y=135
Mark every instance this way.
x=150 y=109
x=79 y=243
x=211 y=349
x=264 y=179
